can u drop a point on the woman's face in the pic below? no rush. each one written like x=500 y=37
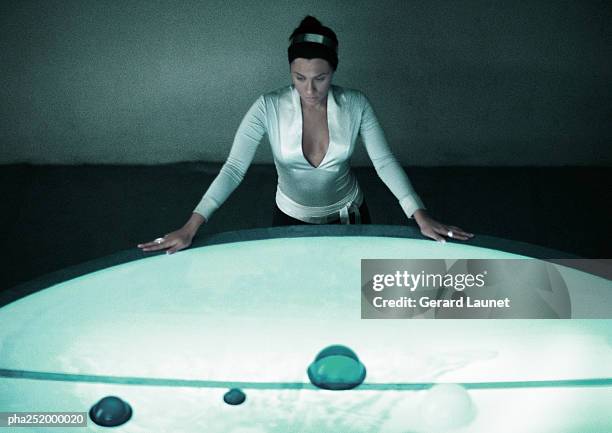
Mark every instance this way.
x=312 y=79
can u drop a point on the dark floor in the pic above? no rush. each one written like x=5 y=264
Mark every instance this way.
x=57 y=216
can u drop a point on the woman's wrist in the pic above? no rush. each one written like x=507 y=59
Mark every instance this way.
x=419 y=215
x=194 y=223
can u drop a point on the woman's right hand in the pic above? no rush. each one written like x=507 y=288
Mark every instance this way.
x=171 y=242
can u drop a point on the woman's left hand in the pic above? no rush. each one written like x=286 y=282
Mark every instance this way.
x=438 y=231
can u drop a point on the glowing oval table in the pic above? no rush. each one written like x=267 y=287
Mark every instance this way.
x=171 y=335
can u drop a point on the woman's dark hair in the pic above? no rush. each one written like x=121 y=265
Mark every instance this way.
x=310 y=50
x=312 y=25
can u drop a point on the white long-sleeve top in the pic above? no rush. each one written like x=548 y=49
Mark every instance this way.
x=308 y=193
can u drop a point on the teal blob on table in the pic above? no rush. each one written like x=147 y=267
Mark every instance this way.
x=234 y=397
x=336 y=368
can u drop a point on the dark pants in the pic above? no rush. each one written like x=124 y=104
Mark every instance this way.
x=279 y=218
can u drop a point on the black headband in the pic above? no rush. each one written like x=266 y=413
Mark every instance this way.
x=313 y=45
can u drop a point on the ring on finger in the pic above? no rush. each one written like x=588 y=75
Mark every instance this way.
x=450 y=234
x=159 y=240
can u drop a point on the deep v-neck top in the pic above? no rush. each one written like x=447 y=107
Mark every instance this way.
x=308 y=193
x=325 y=126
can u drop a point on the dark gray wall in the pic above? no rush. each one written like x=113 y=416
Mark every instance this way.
x=453 y=82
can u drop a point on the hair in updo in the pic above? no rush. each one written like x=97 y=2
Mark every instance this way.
x=312 y=50
x=312 y=25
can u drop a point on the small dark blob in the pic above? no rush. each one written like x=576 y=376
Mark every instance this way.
x=111 y=411
x=234 y=397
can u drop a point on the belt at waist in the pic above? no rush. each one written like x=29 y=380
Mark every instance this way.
x=322 y=214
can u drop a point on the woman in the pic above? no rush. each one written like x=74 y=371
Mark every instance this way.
x=312 y=127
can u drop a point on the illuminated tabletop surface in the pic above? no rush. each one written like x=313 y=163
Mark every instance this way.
x=171 y=334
